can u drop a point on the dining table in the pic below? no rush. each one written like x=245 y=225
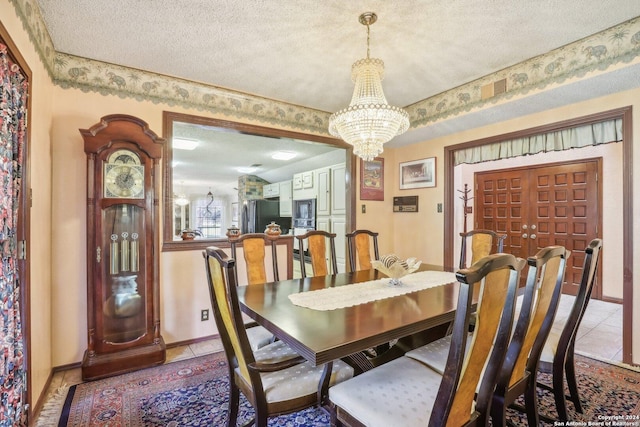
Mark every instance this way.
x=324 y=334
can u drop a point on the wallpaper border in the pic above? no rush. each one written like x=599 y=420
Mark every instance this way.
x=592 y=55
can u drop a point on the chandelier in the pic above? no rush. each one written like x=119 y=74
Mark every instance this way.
x=368 y=122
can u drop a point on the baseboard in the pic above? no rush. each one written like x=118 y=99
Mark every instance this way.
x=193 y=341
x=611 y=299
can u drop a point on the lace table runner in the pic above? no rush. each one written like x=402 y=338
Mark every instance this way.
x=361 y=293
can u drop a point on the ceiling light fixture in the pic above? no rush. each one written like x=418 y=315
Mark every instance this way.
x=181 y=200
x=283 y=155
x=185 y=143
x=368 y=122
x=247 y=169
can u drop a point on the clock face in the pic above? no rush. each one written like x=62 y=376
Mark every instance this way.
x=123 y=157
x=124 y=181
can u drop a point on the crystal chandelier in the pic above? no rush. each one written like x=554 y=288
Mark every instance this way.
x=368 y=122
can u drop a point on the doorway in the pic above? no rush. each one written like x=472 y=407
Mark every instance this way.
x=623 y=205
x=539 y=206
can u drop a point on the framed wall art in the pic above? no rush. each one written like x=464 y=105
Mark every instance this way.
x=372 y=179
x=418 y=173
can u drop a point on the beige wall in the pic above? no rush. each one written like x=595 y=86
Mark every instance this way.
x=58 y=248
x=39 y=176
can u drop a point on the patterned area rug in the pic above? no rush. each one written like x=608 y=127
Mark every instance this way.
x=194 y=393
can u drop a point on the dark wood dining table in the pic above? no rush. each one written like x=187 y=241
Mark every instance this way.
x=324 y=336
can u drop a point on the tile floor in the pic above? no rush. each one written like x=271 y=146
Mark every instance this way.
x=600 y=333
x=599 y=336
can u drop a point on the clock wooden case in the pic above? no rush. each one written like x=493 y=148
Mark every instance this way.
x=123 y=187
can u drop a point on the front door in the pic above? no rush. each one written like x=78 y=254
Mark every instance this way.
x=538 y=206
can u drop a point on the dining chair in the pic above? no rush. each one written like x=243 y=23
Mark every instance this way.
x=557 y=355
x=359 y=246
x=407 y=392
x=316 y=241
x=483 y=243
x=274 y=379
x=540 y=299
x=254 y=248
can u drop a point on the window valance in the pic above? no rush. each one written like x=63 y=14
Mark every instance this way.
x=577 y=137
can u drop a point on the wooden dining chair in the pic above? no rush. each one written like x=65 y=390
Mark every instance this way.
x=254 y=249
x=558 y=354
x=274 y=379
x=359 y=247
x=407 y=392
x=540 y=299
x=317 y=242
x=483 y=243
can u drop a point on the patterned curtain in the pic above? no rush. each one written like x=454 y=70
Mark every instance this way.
x=13 y=108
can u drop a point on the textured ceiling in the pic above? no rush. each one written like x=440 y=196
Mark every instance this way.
x=301 y=52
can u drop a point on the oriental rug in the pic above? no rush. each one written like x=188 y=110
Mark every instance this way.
x=194 y=393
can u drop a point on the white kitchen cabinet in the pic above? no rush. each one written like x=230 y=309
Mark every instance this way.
x=270 y=190
x=339 y=227
x=338 y=190
x=323 y=224
x=307 y=179
x=297 y=181
x=303 y=186
x=323 y=188
x=286 y=201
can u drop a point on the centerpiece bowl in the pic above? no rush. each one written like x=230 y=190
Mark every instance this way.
x=395 y=268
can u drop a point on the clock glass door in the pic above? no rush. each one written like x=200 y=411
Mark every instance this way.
x=124 y=295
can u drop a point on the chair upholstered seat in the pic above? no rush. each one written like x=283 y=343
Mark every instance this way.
x=297 y=381
x=258 y=337
x=434 y=355
x=405 y=401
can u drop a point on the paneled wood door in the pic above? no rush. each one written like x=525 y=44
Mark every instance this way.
x=544 y=205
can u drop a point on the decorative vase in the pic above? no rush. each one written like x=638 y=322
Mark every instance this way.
x=188 y=235
x=233 y=231
x=273 y=229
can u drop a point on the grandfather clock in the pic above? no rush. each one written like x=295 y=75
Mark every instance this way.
x=123 y=191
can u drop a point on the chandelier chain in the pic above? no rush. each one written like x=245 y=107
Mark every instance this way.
x=368 y=34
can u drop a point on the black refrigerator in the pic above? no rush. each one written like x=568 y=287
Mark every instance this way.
x=257 y=214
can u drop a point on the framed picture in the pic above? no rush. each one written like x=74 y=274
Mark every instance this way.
x=372 y=179
x=418 y=173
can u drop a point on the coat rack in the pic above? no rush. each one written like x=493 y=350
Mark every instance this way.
x=467 y=209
